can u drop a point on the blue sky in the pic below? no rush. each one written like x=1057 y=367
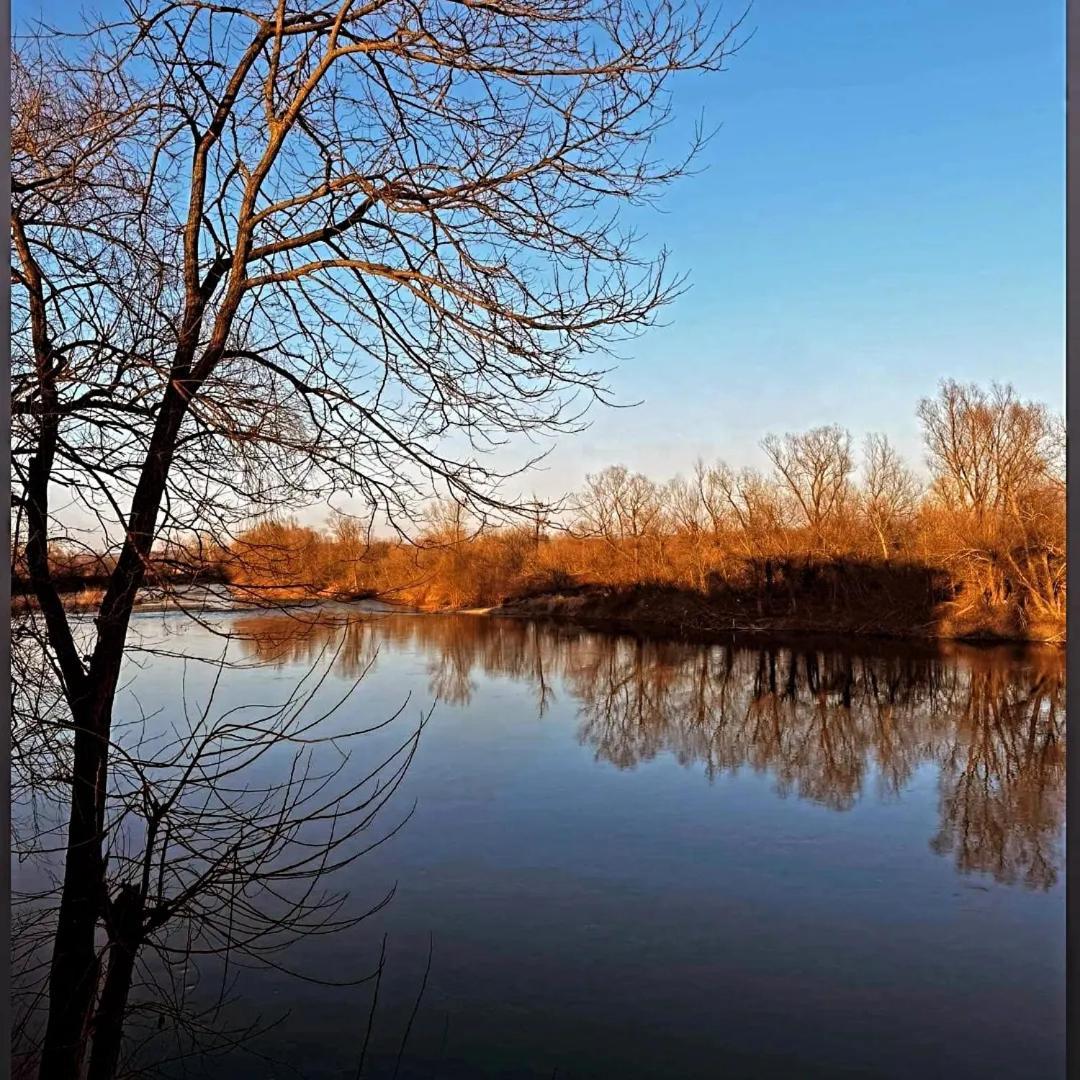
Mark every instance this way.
x=882 y=206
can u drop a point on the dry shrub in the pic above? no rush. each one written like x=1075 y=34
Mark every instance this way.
x=983 y=542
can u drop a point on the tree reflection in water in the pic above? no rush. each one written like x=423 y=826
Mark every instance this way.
x=820 y=720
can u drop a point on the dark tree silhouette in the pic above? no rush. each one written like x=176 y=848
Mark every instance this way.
x=279 y=251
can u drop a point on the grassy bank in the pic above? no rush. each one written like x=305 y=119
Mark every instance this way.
x=847 y=601
x=660 y=609
x=81 y=599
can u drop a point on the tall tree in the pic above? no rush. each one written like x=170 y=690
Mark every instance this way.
x=281 y=251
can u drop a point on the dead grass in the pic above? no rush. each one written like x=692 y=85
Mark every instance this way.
x=88 y=598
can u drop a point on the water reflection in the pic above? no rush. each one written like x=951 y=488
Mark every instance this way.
x=822 y=722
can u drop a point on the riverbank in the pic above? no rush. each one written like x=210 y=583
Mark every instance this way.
x=213 y=598
x=652 y=609
x=690 y=614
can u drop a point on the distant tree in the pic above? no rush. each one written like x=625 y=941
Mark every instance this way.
x=891 y=491
x=621 y=507
x=687 y=508
x=757 y=509
x=986 y=448
x=690 y=519
x=815 y=468
x=998 y=468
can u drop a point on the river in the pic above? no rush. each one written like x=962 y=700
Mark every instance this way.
x=646 y=858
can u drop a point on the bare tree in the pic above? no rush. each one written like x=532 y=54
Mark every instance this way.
x=687 y=508
x=997 y=463
x=1054 y=453
x=621 y=507
x=985 y=447
x=272 y=253
x=712 y=494
x=891 y=491
x=690 y=520
x=815 y=467
x=757 y=507
x=352 y=553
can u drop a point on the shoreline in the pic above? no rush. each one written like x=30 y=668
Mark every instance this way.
x=660 y=611
x=636 y=610
x=773 y=632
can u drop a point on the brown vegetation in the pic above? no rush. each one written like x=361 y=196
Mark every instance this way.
x=977 y=551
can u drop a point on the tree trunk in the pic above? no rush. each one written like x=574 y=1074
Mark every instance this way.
x=126 y=937
x=884 y=544
x=73 y=974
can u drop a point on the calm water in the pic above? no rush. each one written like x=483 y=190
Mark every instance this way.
x=654 y=859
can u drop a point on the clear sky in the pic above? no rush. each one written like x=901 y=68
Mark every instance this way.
x=882 y=206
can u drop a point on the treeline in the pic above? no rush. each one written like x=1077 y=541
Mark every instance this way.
x=828 y=533
x=74 y=567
